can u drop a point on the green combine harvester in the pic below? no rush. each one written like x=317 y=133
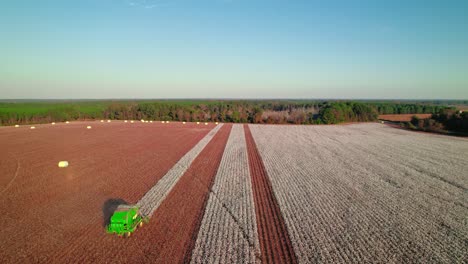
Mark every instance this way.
x=125 y=220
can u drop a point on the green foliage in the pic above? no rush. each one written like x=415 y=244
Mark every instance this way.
x=251 y=111
x=445 y=120
x=21 y=113
x=413 y=108
x=334 y=113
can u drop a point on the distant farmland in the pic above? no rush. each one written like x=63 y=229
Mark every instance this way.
x=403 y=117
x=232 y=193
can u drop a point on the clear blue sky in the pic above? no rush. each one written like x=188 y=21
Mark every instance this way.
x=233 y=49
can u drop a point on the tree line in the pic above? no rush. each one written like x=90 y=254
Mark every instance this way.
x=235 y=111
x=444 y=121
x=402 y=108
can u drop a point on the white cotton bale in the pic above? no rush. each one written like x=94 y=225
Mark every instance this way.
x=67 y=122
x=206 y=124
x=198 y=123
x=108 y=121
x=132 y=121
x=167 y=122
x=88 y=127
x=53 y=123
x=162 y=122
x=125 y=121
x=216 y=123
x=151 y=121
x=16 y=125
x=102 y=121
x=63 y=164
x=33 y=127
x=183 y=123
x=142 y=120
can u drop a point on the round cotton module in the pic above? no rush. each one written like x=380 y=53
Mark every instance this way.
x=63 y=164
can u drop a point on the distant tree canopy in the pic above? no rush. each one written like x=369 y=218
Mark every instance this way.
x=235 y=111
x=392 y=108
x=334 y=113
x=444 y=120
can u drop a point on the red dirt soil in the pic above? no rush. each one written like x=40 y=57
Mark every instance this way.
x=50 y=213
x=274 y=239
x=403 y=117
x=168 y=236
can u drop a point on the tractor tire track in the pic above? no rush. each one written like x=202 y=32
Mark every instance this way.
x=18 y=167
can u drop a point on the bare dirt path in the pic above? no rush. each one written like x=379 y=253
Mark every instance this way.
x=274 y=239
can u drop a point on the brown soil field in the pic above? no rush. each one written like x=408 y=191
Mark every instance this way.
x=168 y=236
x=48 y=213
x=403 y=117
x=275 y=244
x=462 y=107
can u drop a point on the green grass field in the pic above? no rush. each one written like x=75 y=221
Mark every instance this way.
x=11 y=113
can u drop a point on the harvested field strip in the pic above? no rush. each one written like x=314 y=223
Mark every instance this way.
x=57 y=214
x=171 y=235
x=363 y=193
x=274 y=239
x=228 y=233
x=154 y=197
x=403 y=117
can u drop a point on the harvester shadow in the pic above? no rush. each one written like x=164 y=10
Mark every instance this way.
x=108 y=209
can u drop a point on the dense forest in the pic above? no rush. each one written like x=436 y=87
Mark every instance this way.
x=236 y=111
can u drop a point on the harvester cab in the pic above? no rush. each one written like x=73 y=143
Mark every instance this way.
x=125 y=220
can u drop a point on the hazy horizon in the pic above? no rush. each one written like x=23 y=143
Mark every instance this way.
x=225 y=49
